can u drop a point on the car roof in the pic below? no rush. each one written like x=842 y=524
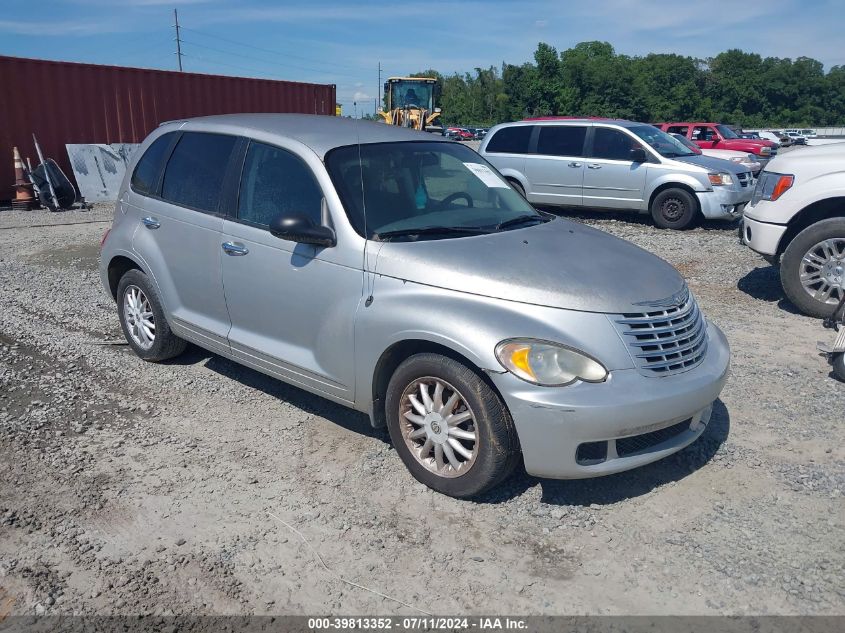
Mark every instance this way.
x=568 y=119
x=322 y=133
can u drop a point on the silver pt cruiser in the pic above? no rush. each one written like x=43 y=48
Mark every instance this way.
x=399 y=274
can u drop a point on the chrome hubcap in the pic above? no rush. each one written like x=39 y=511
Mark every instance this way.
x=139 y=318
x=438 y=426
x=823 y=271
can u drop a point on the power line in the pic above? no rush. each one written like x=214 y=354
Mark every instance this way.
x=258 y=59
x=274 y=52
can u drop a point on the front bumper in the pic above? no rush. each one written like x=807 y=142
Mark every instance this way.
x=724 y=203
x=763 y=237
x=552 y=422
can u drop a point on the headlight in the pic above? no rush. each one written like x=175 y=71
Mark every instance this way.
x=765 y=151
x=548 y=364
x=771 y=186
x=720 y=179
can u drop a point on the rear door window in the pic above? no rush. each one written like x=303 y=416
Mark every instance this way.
x=561 y=140
x=612 y=144
x=511 y=140
x=678 y=129
x=147 y=171
x=195 y=172
x=276 y=182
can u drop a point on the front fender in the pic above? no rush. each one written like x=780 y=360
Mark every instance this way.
x=470 y=325
x=658 y=180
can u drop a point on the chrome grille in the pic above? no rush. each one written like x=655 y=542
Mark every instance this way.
x=744 y=178
x=667 y=340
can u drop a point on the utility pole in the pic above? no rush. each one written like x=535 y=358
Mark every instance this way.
x=378 y=91
x=178 y=40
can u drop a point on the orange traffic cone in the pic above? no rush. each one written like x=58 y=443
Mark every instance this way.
x=23 y=188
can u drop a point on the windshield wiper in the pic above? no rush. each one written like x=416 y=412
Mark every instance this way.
x=430 y=230
x=520 y=219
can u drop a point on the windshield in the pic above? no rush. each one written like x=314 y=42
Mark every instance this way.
x=726 y=132
x=411 y=93
x=407 y=186
x=665 y=144
x=687 y=143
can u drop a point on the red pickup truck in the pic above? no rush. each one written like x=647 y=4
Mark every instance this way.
x=719 y=136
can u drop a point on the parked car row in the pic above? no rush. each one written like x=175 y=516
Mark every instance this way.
x=465 y=133
x=620 y=165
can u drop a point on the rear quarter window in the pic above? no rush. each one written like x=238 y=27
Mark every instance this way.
x=147 y=171
x=195 y=172
x=511 y=140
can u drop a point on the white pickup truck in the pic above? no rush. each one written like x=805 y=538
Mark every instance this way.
x=797 y=217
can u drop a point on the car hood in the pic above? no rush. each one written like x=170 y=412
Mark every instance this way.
x=713 y=164
x=560 y=264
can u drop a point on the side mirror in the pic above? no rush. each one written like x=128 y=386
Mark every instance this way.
x=638 y=155
x=301 y=229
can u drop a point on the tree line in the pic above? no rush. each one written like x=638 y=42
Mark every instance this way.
x=591 y=79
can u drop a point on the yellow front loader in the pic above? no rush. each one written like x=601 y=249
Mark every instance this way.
x=411 y=103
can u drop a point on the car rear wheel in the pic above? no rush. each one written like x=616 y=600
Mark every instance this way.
x=449 y=426
x=812 y=269
x=142 y=319
x=674 y=209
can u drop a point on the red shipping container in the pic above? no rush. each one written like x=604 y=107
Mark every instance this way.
x=68 y=102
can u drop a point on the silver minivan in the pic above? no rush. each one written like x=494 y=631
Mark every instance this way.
x=397 y=273
x=617 y=165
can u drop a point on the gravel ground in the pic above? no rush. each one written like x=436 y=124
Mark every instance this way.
x=127 y=487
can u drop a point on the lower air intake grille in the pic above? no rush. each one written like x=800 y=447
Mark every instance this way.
x=626 y=446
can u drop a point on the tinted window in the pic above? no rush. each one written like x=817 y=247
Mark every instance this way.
x=275 y=182
x=511 y=140
x=678 y=129
x=145 y=176
x=195 y=171
x=612 y=144
x=561 y=140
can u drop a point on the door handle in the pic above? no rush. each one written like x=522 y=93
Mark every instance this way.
x=593 y=166
x=151 y=223
x=230 y=248
x=574 y=164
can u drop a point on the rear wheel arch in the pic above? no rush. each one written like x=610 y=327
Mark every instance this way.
x=809 y=215
x=118 y=267
x=397 y=353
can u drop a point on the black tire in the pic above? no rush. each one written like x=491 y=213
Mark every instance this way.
x=674 y=209
x=790 y=266
x=839 y=366
x=519 y=188
x=165 y=344
x=497 y=448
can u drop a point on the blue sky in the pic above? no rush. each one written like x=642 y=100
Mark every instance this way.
x=331 y=41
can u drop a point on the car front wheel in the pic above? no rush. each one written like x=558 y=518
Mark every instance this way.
x=449 y=426
x=674 y=209
x=812 y=269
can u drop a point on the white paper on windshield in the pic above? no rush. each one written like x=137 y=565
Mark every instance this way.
x=486 y=175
